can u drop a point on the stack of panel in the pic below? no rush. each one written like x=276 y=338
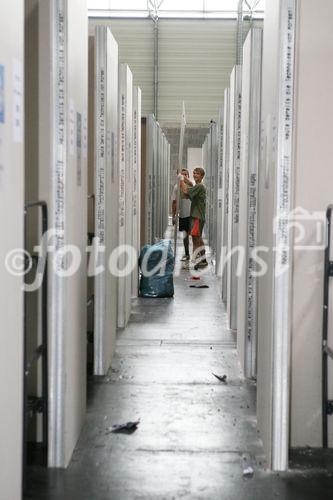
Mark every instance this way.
x=155 y=169
x=248 y=201
x=225 y=193
x=136 y=184
x=210 y=164
x=125 y=180
x=233 y=194
x=58 y=174
x=103 y=164
x=219 y=192
x=295 y=189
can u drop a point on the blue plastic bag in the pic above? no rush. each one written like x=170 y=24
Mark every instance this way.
x=157 y=264
x=156 y=286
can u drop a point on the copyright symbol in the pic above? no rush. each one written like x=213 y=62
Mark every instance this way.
x=18 y=262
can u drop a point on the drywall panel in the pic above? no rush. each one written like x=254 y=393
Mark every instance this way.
x=91 y=197
x=208 y=183
x=106 y=133
x=234 y=177
x=248 y=202
x=219 y=205
x=205 y=159
x=136 y=183
x=163 y=212
x=77 y=222
x=150 y=153
x=62 y=70
x=143 y=210
x=313 y=193
x=11 y=203
x=225 y=194
x=168 y=180
x=214 y=186
x=157 y=185
x=275 y=194
x=165 y=201
x=33 y=217
x=125 y=193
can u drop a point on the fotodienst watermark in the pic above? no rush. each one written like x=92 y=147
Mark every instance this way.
x=298 y=230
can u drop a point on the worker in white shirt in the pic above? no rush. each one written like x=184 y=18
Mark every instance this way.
x=184 y=213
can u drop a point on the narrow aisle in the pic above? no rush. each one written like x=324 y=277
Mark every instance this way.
x=194 y=431
x=196 y=435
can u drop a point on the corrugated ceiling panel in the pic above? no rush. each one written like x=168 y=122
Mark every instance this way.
x=196 y=58
x=195 y=61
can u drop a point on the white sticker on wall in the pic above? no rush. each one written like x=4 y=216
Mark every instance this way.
x=72 y=127
x=2 y=94
x=17 y=101
x=2 y=121
x=2 y=165
x=85 y=136
x=78 y=149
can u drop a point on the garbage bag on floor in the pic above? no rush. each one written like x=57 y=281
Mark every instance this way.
x=157 y=264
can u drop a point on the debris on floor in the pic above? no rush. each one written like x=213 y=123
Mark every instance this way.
x=221 y=378
x=199 y=286
x=248 y=472
x=127 y=428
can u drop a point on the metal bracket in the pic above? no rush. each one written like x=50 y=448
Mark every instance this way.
x=35 y=405
x=329 y=407
x=330 y=268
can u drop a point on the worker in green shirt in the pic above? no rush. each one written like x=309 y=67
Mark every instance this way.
x=197 y=195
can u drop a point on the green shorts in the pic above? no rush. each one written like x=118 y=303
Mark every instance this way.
x=200 y=226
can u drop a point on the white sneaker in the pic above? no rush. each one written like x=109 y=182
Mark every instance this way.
x=185 y=258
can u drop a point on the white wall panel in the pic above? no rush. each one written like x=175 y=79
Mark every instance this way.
x=105 y=93
x=63 y=75
x=225 y=195
x=136 y=182
x=313 y=192
x=156 y=182
x=219 y=181
x=77 y=224
x=125 y=132
x=248 y=202
x=11 y=227
x=275 y=194
x=150 y=132
x=233 y=200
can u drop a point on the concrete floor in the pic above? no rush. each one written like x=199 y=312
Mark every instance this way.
x=196 y=434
